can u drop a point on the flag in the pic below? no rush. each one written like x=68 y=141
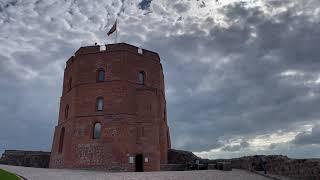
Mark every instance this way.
x=113 y=28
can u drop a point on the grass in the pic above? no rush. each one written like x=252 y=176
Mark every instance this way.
x=5 y=175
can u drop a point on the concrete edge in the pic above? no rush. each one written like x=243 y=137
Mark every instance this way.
x=21 y=177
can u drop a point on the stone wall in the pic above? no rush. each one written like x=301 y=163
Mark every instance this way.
x=37 y=159
x=173 y=167
x=280 y=165
x=274 y=164
x=181 y=157
x=296 y=168
x=183 y=161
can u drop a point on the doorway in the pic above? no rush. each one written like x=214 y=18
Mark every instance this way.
x=139 y=163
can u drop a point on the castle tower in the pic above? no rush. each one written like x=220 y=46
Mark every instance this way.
x=112 y=111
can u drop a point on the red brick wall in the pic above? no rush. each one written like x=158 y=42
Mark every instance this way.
x=133 y=120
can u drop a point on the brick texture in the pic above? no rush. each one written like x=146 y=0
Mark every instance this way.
x=133 y=119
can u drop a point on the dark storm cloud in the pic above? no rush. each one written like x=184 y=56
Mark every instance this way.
x=256 y=74
x=247 y=95
x=312 y=137
x=4 y=5
x=145 y=4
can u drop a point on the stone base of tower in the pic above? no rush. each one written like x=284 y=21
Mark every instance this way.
x=56 y=162
x=117 y=150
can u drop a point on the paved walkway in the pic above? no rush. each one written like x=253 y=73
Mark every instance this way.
x=273 y=176
x=66 y=174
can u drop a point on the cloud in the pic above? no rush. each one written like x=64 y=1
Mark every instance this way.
x=244 y=71
x=181 y=7
x=237 y=147
x=305 y=138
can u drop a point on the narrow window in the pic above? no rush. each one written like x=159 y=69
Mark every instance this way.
x=100 y=75
x=61 y=140
x=97 y=131
x=141 y=77
x=66 y=112
x=70 y=84
x=99 y=105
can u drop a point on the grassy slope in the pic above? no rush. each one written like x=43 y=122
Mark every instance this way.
x=4 y=175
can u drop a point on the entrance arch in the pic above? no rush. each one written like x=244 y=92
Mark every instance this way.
x=139 y=163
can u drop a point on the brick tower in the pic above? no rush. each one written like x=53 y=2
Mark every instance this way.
x=112 y=111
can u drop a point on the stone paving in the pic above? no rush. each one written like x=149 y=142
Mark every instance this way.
x=273 y=176
x=66 y=174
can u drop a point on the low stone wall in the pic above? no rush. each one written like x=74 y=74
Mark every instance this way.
x=224 y=166
x=212 y=166
x=296 y=168
x=280 y=165
x=274 y=164
x=184 y=160
x=173 y=167
x=38 y=159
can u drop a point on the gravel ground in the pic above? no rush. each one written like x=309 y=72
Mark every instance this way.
x=66 y=174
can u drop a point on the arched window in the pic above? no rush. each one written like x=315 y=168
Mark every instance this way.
x=100 y=75
x=141 y=77
x=61 y=140
x=99 y=104
x=97 y=131
x=66 y=112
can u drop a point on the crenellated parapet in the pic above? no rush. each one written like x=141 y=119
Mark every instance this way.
x=109 y=48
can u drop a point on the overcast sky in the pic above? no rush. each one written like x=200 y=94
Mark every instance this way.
x=242 y=76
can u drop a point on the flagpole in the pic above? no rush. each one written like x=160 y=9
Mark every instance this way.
x=112 y=30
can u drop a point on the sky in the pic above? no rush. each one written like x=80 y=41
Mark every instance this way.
x=242 y=77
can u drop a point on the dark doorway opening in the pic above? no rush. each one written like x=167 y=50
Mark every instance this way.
x=27 y=162
x=139 y=163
